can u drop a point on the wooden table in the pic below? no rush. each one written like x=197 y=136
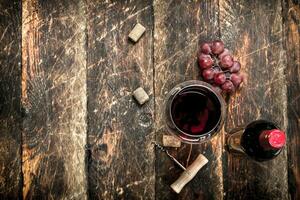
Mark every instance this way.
x=70 y=129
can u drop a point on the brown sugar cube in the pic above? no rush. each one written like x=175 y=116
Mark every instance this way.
x=171 y=141
x=137 y=32
x=140 y=95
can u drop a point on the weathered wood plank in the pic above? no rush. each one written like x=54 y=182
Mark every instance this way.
x=179 y=27
x=121 y=156
x=54 y=97
x=10 y=95
x=291 y=16
x=253 y=30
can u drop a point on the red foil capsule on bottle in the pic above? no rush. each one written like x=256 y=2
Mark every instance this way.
x=272 y=139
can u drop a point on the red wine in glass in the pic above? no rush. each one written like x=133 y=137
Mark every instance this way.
x=261 y=140
x=195 y=111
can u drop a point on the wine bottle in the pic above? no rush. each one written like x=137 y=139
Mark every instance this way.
x=261 y=140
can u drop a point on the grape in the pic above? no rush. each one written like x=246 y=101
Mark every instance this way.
x=228 y=87
x=208 y=74
x=235 y=67
x=227 y=61
x=217 y=47
x=219 y=78
x=205 y=48
x=205 y=61
x=236 y=79
x=224 y=53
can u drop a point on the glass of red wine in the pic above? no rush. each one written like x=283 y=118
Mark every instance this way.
x=194 y=111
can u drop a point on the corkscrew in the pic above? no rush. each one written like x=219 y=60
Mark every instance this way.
x=169 y=155
x=189 y=172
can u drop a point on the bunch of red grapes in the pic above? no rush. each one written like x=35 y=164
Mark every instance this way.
x=218 y=67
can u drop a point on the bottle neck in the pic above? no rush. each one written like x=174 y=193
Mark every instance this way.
x=272 y=139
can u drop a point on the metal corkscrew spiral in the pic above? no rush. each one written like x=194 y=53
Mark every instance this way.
x=161 y=148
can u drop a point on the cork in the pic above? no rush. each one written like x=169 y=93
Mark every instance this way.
x=136 y=32
x=140 y=95
x=171 y=141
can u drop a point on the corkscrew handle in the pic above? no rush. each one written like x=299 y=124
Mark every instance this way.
x=189 y=173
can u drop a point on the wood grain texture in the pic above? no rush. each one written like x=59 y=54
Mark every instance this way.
x=121 y=156
x=70 y=129
x=54 y=98
x=291 y=16
x=253 y=30
x=179 y=27
x=10 y=93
